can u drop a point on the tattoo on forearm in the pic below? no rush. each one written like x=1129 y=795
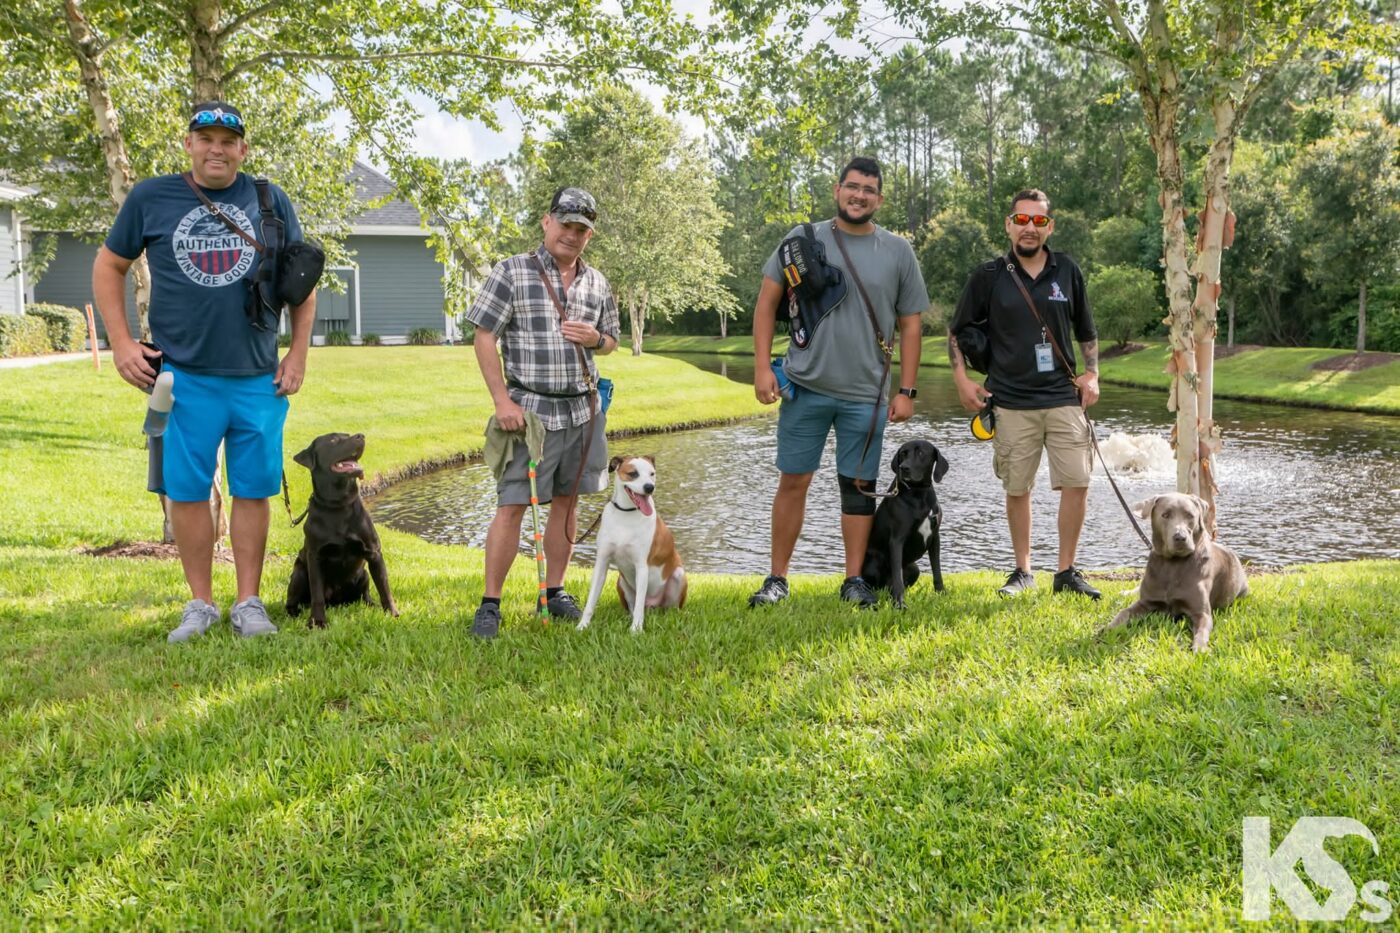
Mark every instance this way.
x=1091 y=356
x=955 y=356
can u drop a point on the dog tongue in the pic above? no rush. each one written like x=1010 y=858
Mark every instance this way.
x=642 y=502
x=346 y=466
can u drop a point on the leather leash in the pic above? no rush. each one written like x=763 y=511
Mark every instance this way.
x=886 y=348
x=1069 y=368
x=593 y=400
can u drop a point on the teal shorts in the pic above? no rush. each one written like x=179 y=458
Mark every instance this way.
x=245 y=413
x=805 y=422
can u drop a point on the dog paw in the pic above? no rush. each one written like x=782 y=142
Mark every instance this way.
x=392 y=609
x=897 y=603
x=316 y=623
x=582 y=624
x=635 y=629
x=1200 y=646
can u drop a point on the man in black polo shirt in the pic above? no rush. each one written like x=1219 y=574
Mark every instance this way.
x=1036 y=405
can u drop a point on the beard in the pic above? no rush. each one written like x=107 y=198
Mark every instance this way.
x=1026 y=252
x=854 y=219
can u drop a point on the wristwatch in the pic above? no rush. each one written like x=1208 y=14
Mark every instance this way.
x=909 y=392
x=602 y=341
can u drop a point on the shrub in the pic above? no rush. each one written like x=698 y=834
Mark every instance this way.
x=284 y=340
x=424 y=337
x=23 y=335
x=1125 y=301
x=67 y=327
x=338 y=338
x=370 y=340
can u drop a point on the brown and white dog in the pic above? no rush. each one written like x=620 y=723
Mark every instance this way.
x=1187 y=573
x=635 y=540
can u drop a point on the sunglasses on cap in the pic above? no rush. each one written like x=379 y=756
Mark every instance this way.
x=574 y=201
x=217 y=118
x=1020 y=220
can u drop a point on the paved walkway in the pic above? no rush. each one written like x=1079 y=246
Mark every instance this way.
x=21 y=362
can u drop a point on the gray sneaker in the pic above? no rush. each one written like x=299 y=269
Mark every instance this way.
x=1017 y=581
x=564 y=607
x=487 y=621
x=250 y=619
x=856 y=590
x=194 y=621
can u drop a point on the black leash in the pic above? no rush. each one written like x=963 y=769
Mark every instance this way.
x=886 y=348
x=287 y=502
x=1069 y=368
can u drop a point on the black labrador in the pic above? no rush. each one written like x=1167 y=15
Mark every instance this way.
x=906 y=525
x=340 y=537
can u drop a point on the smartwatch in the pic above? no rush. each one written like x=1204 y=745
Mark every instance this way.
x=910 y=392
x=602 y=341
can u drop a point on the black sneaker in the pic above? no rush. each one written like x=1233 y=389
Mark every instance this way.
x=856 y=590
x=1074 y=581
x=488 y=620
x=564 y=607
x=1017 y=581
x=773 y=590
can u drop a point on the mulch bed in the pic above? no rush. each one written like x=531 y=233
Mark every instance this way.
x=150 y=550
x=1355 y=362
x=1124 y=350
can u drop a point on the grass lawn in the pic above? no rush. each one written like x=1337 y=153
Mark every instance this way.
x=969 y=760
x=1269 y=374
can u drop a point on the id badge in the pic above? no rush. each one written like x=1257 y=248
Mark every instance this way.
x=1044 y=358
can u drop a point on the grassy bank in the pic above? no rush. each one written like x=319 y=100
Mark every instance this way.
x=1268 y=374
x=970 y=760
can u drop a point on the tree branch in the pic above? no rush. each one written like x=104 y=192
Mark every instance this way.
x=239 y=21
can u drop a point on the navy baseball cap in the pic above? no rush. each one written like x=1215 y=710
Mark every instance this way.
x=217 y=113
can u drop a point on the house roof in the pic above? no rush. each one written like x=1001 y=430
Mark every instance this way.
x=370 y=185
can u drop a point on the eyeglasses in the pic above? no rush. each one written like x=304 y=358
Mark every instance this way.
x=217 y=118
x=867 y=190
x=1020 y=220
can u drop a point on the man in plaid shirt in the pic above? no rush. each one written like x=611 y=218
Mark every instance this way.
x=543 y=375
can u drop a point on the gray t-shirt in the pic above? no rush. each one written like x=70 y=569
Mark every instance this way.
x=842 y=359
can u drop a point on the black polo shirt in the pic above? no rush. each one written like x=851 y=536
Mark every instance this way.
x=991 y=296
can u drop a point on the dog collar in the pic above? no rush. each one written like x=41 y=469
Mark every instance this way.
x=620 y=508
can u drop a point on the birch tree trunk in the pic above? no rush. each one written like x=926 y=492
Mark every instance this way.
x=636 y=318
x=1361 y=320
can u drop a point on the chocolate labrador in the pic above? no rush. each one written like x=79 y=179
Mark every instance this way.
x=1187 y=573
x=906 y=524
x=340 y=537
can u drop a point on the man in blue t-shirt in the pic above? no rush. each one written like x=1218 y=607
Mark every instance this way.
x=220 y=345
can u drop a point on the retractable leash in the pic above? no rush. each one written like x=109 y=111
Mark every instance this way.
x=886 y=348
x=594 y=402
x=1069 y=368
x=542 y=604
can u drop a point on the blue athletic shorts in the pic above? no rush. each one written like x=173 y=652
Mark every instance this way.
x=242 y=411
x=805 y=422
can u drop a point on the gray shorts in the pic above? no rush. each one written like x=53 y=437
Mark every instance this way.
x=555 y=473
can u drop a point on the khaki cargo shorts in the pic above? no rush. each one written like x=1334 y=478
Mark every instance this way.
x=1022 y=434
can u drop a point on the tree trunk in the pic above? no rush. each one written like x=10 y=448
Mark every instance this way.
x=206 y=51
x=1230 y=333
x=1361 y=320
x=636 y=317
x=723 y=325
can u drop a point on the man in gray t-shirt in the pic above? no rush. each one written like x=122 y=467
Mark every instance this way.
x=835 y=380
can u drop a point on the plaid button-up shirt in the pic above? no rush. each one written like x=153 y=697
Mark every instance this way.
x=542 y=368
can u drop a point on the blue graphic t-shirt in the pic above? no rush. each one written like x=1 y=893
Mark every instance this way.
x=201 y=271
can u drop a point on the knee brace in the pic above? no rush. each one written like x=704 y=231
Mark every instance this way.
x=853 y=501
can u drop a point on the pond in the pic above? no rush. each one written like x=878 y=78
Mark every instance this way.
x=1296 y=486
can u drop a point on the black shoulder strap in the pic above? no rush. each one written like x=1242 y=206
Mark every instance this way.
x=214 y=210
x=809 y=231
x=265 y=206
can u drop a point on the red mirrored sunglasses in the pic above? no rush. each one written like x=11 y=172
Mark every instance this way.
x=1020 y=220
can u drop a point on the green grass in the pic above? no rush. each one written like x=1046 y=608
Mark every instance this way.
x=970 y=760
x=1269 y=374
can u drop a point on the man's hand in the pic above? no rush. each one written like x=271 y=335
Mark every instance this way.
x=971 y=394
x=291 y=373
x=130 y=359
x=510 y=416
x=901 y=409
x=765 y=384
x=586 y=335
x=1088 y=384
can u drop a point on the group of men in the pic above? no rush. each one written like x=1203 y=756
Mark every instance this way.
x=540 y=319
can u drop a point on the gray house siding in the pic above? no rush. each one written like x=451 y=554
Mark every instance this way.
x=11 y=285
x=400 y=285
x=68 y=281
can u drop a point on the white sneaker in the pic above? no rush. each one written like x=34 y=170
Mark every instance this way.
x=194 y=621
x=250 y=619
